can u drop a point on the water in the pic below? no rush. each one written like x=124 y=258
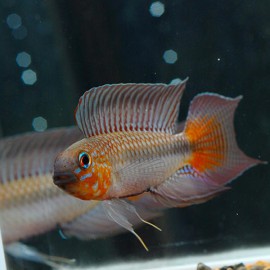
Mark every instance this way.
x=53 y=51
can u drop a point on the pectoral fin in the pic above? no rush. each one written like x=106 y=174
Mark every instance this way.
x=96 y=224
x=122 y=213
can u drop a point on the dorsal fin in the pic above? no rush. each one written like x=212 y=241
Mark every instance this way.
x=129 y=107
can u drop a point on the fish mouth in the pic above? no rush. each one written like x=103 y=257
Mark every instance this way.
x=63 y=178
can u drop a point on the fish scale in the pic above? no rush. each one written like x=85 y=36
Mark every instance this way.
x=158 y=146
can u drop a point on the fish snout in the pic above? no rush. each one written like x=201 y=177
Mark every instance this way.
x=63 y=178
x=63 y=171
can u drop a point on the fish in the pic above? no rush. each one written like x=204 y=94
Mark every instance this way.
x=131 y=147
x=31 y=205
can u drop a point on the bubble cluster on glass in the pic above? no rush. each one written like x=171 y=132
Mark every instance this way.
x=29 y=77
x=157 y=9
x=39 y=124
x=170 y=56
x=23 y=59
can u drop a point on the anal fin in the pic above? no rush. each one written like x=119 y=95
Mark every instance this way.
x=122 y=212
x=186 y=187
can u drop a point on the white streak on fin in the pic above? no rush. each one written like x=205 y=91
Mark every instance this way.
x=120 y=211
x=137 y=107
x=19 y=250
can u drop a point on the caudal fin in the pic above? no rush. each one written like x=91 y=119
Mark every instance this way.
x=210 y=131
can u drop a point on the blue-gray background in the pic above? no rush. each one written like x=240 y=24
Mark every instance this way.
x=222 y=46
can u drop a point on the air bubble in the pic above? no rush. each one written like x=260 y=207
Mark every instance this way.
x=29 y=77
x=39 y=124
x=157 y=9
x=14 y=21
x=23 y=59
x=170 y=56
x=20 y=33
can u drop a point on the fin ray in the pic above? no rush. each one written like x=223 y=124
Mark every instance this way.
x=210 y=132
x=96 y=224
x=129 y=107
x=120 y=211
x=184 y=188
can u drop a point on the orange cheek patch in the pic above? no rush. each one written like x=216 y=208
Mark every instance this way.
x=103 y=172
x=92 y=184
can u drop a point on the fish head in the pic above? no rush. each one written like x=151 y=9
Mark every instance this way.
x=82 y=172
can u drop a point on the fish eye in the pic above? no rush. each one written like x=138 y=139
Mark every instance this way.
x=84 y=160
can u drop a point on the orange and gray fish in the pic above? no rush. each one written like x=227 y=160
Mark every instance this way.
x=131 y=147
x=30 y=204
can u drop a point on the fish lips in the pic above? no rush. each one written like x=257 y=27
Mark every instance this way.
x=62 y=178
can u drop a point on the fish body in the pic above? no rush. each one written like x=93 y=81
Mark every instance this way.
x=121 y=161
x=131 y=147
x=133 y=153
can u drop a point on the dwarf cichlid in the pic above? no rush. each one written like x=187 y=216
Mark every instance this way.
x=131 y=147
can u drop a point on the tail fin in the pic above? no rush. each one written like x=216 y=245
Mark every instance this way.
x=209 y=129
